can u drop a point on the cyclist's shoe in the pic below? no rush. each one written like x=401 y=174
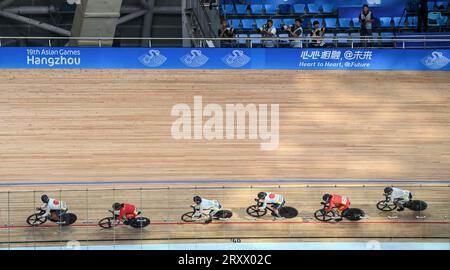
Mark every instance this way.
x=126 y=222
x=338 y=219
x=278 y=217
x=401 y=209
x=60 y=222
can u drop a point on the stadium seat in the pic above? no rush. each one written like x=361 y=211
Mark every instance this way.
x=385 y=22
x=327 y=8
x=270 y=9
x=330 y=23
x=386 y=37
x=412 y=21
x=313 y=8
x=299 y=8
x=442 y=6
x=228 y=9
x=255 y=39
x=284 y=9
x=289 y=21
x=260 y=22
x=241 y=9
x=356 y=38
x=436 y=19
x=399 y=22
x=235 y=23
x=356 y=23
x=344 y=23
x=277 y=23
x=247 y=24
x=328 y=38
x=257 y=9
x=342 y=38
x=242 y=39
x=431 y=5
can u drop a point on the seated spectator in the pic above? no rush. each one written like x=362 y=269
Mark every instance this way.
x=316 y=35
x=366 y=19
x=268 y=31
x=295 y=32
x=226 y=32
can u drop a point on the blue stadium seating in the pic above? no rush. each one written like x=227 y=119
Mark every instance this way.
x=284 y=9
x=241 y=9
x=412 y=21
x=256 y=40
x=242 y=39
x=260 y=22
x=257 y=9
x=247 y=23
x=328 y=38
x=356 y=37
x=385 y=22
x=277 y=23
x=234 y=23
x=316 y=19
x=399 y=21
x=342 y=38
x=299 y=8
x=313 y=8
x=431 y=5
x=356 y=23
x=344 y=23
x=330 y=23
x=442 y=6
x=270 y=9
x=228 y=9
x=327 y=8
x=289 y=21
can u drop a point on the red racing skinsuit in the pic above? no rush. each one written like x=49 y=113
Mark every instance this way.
x=341 y=202
x=128 y=211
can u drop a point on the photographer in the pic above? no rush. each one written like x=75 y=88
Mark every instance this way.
x=366 y=19
x=226 y=32
x=295 y=32
x=268 y=31
x=316 y=35
x=422 y=24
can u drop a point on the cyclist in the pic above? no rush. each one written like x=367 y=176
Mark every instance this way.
x=202 y=204
x=53 y=208
x=398 y=196
x=275 y=200
x=127 y=212
x=341 y=202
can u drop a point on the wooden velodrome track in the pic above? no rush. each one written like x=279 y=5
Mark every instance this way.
x=86 y=126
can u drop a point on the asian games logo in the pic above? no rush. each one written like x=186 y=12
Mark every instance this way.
x=153 y=58
x=436 y=60
x=236 y=59
x=194 y=59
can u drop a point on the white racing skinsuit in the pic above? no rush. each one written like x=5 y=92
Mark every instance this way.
x=212 y=205
x=54 y=205
x=275 y=199
x=399 y=196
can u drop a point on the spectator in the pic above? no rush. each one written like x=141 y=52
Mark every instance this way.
x=268 y=31
x=295 y=32
x=316 y=35
x=366 y=19
x=422 y=20
x=226 y=32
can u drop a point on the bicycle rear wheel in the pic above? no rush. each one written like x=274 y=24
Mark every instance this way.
x=223 y=214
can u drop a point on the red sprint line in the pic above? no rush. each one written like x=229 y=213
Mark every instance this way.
x=250 y=223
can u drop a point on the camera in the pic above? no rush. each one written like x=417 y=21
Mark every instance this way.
x=285 y=27
x=265 y=27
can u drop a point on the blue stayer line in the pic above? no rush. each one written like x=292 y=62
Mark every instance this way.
x=149 y=182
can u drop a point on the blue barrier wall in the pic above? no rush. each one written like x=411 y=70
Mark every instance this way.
x=188 y=58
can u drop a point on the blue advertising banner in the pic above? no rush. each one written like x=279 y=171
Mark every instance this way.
x=225 y=58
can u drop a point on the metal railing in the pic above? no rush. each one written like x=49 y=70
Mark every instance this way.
x=410 y=41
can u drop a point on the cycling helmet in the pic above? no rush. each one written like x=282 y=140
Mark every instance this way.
x=45 y=198
x=326 y=197
x=197 y=200
x=117 y=206
x=262 y=195
x=388 y=190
